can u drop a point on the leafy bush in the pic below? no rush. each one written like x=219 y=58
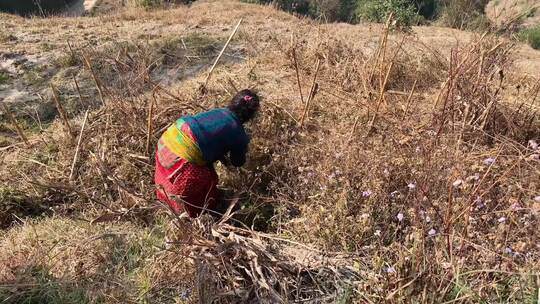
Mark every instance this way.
x=351 y=11
x=463 y=14
x=334 y=10
x=148 y=4
x=531 y=36
x=404 y=11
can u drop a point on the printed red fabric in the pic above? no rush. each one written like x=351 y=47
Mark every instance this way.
x=196 y=185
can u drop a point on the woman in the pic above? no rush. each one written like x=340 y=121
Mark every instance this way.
x=185 y=176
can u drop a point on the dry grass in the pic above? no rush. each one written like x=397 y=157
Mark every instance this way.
x=414 y=165
x=71 y=261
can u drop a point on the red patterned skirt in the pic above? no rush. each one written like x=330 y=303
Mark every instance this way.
x=187 y=187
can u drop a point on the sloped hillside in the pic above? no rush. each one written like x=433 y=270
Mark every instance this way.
x=384 y=166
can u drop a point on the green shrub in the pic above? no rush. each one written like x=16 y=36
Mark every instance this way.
x=463 y=14
x=4 y=77
x=531 y=36
x=404 y=11
x=149 y=4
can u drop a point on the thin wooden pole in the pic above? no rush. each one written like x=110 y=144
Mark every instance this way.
x=78 y=146
x=220 y=54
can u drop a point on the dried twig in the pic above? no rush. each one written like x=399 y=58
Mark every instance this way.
x=381 y=98
x=297 y=74
x=78 y=147
x=149 y=123
x=78 y=89
x=96 y=80
x=409 y=98
x=203 y=88
x=62 y=112
x=15 y=123
x=312 y=93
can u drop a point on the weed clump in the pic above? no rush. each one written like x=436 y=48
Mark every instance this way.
x=531 y=36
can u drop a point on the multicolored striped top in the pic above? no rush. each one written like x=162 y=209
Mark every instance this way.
x=203 y=139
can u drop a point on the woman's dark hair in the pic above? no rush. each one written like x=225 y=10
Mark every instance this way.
x=244 y=105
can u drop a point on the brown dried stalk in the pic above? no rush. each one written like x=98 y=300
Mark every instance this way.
x=297 y=75
x=149 y=123
x=78 y=89
x=312 y=93
x=96 y=81
x=15 y=123
x=62 y=112
x=220 y=54
x=78 y=147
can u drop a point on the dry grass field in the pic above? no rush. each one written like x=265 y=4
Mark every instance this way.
x=385 y=167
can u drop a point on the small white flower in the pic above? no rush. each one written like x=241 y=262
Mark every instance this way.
x=457 y=183
x=377 y=233
x=432 y=232
x=537 y=198
x=411 y=186
x=400 y=216
x=394 y=193
x=364 y=215
x=386 y=172
x=390 y=269
x=417 y=150
x=502 y=219
x=508 y=250
x=533 y=144
x=428 y=219
x=367 y=193
x=488 y=161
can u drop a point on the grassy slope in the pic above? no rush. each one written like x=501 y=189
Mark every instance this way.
x=313 y=176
